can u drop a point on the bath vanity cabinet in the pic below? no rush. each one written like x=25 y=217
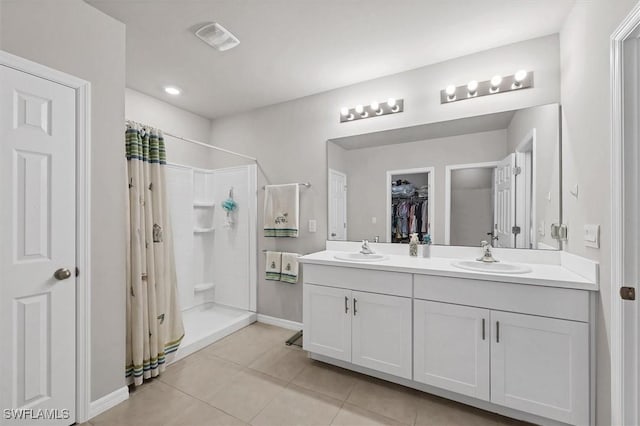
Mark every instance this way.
x=371 y=329
x=521 y=350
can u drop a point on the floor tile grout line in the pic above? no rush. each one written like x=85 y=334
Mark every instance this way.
x=337 y=412
x=203 y=401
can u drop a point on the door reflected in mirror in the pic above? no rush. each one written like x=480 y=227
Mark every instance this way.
x=494 y=177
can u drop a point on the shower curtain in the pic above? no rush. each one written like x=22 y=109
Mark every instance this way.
x=154 y=319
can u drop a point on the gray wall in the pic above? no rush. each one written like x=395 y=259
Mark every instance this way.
x=586 y=144
x=367 y=195
x=75 y=38
x=545 y=119
x=295 y=133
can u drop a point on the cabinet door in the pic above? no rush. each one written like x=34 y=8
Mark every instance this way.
x=541 y=366
x=327 y=321
x=381 y=331
x=451 y=347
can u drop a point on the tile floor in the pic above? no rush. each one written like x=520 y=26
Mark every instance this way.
x=251 y=377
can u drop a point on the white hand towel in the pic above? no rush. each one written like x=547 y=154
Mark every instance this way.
x=289 y=268
x=274 y=265
x=281 y=210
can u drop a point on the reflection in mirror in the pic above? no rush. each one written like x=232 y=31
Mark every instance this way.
x=494 y=177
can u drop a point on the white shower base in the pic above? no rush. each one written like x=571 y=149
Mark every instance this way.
x=207 y=323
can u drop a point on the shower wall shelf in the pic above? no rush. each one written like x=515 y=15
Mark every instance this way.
x=199 y=288
x=203 y=230
x=204 y=204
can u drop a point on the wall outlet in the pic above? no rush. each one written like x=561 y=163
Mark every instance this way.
x=592 y=236
x=313 y=225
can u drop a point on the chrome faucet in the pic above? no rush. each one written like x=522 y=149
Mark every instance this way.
x=486 y=253
x=365 y=248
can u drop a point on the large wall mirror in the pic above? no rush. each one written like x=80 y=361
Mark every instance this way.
x=494 y=177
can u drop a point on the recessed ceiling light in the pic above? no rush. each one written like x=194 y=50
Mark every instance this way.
x=172 y=90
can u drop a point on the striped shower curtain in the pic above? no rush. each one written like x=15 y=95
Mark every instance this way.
x=154 y=319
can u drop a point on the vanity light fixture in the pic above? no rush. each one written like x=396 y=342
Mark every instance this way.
x=522 y=79
x=518 y=78
x=374 y=109
x=345 y=114
x=451 y=92
x=472 y=88
x=495 y=82
x=392 y=104
x=172 y=90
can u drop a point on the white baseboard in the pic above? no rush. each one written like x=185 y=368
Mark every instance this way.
x=110 y=400
x=279 y=322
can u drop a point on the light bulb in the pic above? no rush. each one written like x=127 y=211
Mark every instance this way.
x=472 y=87
x=359 y=109
x=450 y=90
x=520 y=76
x=375 y=106
x=391 y=102
x=172 y=90
x=496 y=80
x=344 y=111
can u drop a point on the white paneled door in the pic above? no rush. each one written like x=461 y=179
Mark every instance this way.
x=337 y=206
x=505 y=202
x=37 y=249
x=540 y=366
x=451 y=347
x=327 y=321
x=381 y=332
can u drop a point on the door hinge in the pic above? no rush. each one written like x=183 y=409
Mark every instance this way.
x=628 y=293
x=515 y=230
x=517 y=170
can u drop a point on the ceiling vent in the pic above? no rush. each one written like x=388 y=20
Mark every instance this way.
x=217 y=36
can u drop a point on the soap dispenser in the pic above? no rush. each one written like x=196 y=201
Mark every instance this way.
x=413 y=245
x=426 y=247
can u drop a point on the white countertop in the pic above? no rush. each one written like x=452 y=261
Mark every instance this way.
x=541 y=274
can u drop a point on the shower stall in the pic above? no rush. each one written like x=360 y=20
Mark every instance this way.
x=215 y=251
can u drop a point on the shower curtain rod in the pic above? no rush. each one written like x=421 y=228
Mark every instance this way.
x=206 y=145
x=305 y=184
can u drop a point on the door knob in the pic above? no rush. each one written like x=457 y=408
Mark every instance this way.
x=62 y=274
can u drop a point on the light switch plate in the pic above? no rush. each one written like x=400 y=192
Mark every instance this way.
x=374 y=220
x=592 y=236
x=313 y=225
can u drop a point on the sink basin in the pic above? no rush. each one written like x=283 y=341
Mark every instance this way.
x=496 y=268
x=359 y=257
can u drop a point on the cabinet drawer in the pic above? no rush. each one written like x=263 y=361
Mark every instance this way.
x=528 y=299
x=374 y=281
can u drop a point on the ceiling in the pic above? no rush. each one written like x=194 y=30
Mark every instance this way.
x=295 y=48
x=441 y=129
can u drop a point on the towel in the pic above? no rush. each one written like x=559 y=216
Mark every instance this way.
x=274 y=265
x=281 y=210
x=289 y=268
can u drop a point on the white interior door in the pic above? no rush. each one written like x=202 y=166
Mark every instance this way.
x=381 y=332
x=539 y=365
x=327 y=321
x=505 y=199
x=337 y=205
x=451 y=347
x=37 y=230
